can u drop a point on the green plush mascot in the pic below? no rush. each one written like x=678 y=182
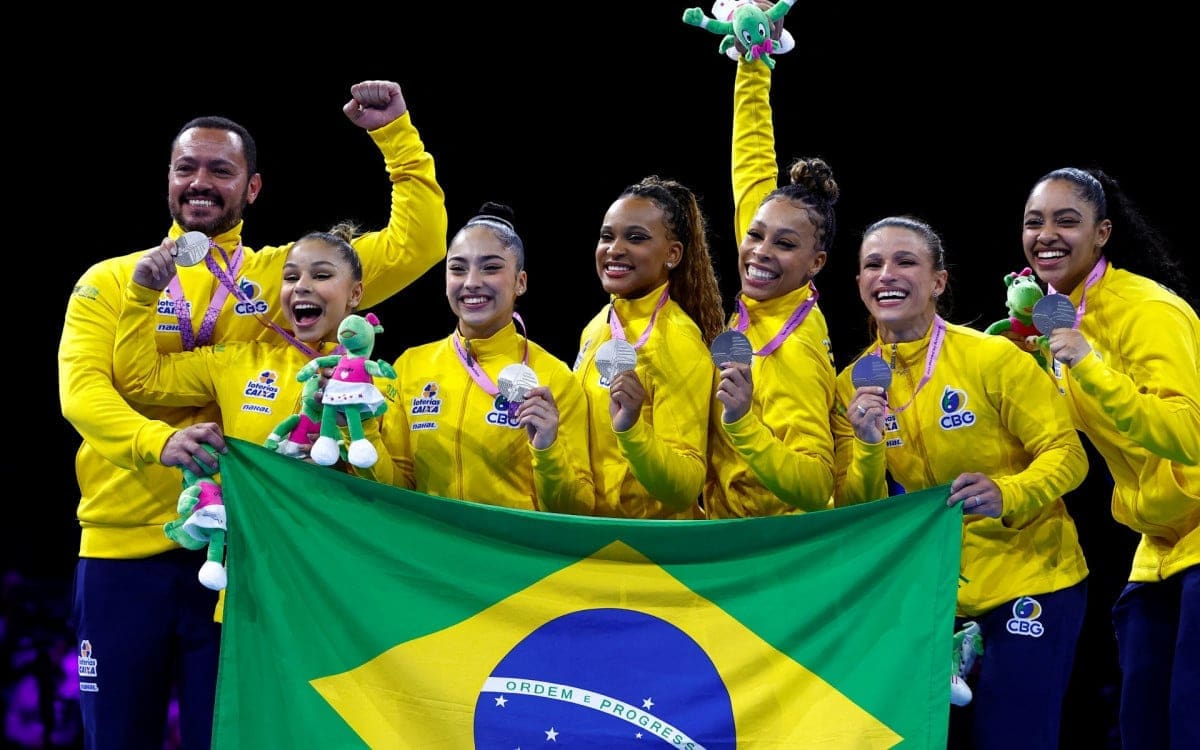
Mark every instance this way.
x=749 y=27
x=202 y=522
x=350 y=392
x=1023 y=293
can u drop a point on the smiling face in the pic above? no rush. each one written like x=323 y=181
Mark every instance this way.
x=636 y=251
x=898 y=283
x=779 y=252
x=319 y=290
x=482 y=282
x=1061 y=237
x=208 y=182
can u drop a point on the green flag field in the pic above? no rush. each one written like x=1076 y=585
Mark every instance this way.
x=360 y=615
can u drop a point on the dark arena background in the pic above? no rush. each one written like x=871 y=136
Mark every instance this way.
x=553 y=109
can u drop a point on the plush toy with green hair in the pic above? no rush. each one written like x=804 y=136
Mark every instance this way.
x=1023 y=293
x=749 y=27
x=201 y=523
x=350 y=392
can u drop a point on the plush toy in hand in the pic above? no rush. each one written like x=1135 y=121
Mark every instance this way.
x=202 y=522
x=749 y=27
x=1023 y=294
x=350 y=392
x=782 y=42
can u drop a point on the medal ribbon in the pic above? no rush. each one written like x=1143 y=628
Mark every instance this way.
x=935 y=348
x=472 y=365
x=618 y=331
x=228 y=286
x=183 y=312
x=1092 y=277
x=793 y=322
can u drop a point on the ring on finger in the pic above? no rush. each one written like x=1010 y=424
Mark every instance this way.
x=861 y=410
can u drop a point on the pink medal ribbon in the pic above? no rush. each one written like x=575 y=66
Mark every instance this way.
x=476 y=372
x=793 y=322
x=183 y=312
x=618 y=331
x=935 y=348
x=1092 y=277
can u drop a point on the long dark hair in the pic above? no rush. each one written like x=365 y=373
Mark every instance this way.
x=1134 y=244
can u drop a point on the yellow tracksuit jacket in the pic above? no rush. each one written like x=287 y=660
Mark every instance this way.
x=1137 y=398
x=655 y=469
x=988 y=409
x=779 y=456
x=449 y=437
x=125 y=496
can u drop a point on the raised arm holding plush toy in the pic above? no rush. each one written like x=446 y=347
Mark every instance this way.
x=748 y=27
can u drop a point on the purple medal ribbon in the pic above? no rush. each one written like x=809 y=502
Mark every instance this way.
x=931 y=357
x=228 y=286
x=183 y=312
x=1092 y=277
x=618 y=331
x=793 y=322
x=476 y=372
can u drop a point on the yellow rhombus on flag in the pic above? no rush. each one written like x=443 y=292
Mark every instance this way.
x=361 y=615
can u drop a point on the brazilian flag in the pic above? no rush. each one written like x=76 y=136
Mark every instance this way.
x=361 y=615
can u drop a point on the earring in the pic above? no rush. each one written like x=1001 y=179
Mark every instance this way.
x=670 y=264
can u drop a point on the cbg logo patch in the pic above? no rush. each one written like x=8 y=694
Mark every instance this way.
x=954 y=410
x=1024 y=621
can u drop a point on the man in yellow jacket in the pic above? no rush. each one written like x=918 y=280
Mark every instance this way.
x=142 y=619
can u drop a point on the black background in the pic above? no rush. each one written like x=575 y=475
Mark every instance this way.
x=554 y=109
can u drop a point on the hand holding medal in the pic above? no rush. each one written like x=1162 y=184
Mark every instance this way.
x=515 y=382
x=191 y=248
x=868 y=407
x=731 y=346
x=1055 y=318
x=732 y=354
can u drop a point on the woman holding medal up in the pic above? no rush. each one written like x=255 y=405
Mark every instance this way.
x=485 y=414
x=253 y=383
x=1130 y=369
x=973 y=411
x=643 y=359
x=770 y=446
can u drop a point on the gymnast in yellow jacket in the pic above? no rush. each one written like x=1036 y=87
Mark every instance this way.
x=1130 y=369
x=648 y=425
x=975 y=412
x=253 y=383
x=770 y=445
x=485 y=414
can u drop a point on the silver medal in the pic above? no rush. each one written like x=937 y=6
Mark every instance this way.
x=1053 y=311
x=731 y=346
x=191 y=248
x=516 y=381
x=615 y=356
x=871 y=370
